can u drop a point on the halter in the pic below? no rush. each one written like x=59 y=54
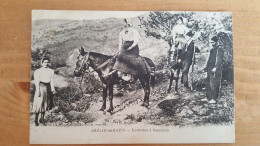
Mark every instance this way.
x=85 y=59
x=97 y=68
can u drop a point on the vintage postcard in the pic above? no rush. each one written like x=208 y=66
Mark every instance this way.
x=101 y=77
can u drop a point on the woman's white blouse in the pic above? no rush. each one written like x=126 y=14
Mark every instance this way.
x=45 y=75
x=180 y=30
x=129 y=34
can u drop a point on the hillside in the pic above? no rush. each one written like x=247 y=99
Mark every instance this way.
x=61 y=37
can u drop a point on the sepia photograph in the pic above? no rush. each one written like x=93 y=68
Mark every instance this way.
x=131 y=77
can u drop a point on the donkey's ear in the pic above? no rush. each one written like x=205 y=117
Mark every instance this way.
x=82 y=51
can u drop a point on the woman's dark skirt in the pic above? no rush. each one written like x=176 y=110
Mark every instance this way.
x=129 y=61
x=45 y=101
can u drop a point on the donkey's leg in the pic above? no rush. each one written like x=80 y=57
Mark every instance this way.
x=104 y=98
x=146 y=92
x=177 y=79
x=171 y=79
x=185 y=72
x=182 y=76
x=111 y=108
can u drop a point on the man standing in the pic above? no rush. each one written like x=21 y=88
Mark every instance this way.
x=214 y=71
x=187 y=57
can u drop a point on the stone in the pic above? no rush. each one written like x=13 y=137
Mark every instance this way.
x=185 y=112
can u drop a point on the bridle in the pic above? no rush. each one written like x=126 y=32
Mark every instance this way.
x=84 y=62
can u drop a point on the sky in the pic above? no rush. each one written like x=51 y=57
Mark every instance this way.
x=83 y=15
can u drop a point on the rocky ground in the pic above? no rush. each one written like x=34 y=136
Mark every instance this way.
x=180 y=109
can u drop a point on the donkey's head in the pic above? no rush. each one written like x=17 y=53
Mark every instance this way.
x=82 y=63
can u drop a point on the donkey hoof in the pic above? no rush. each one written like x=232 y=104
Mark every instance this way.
x=36 y=124
x=102 y=109
x=101 y=112
x=110 y=111
x=41 y=120
x=145 y=105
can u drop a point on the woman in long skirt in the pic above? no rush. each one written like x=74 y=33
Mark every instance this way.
x=128 y=60
x=43 y=79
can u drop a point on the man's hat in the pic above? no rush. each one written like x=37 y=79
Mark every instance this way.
x=214 y=38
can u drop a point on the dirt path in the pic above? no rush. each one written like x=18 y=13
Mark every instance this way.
x=180 y=109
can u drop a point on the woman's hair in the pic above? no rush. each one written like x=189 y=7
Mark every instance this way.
x=128 y=21
x=180 y=18
x=45 y=59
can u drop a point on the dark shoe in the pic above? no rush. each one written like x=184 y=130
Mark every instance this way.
x=41 y=120
x=36 y=122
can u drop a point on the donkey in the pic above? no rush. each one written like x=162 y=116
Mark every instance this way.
x=103 y=64
x=187 y=57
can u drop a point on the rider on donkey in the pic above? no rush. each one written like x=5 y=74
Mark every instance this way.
x=179 y=35
x=179 y=39
x=128 y=62
x=181 y=55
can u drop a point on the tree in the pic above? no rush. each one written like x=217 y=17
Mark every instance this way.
x=205 y=25
x=160 y=24
x=36 y=57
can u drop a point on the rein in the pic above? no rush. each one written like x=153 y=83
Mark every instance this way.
x=100 y=66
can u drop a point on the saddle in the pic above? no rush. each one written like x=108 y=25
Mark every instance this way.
x=125 y=75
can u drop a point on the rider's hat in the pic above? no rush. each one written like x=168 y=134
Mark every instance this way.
x=128 y=21
x=180 y=19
